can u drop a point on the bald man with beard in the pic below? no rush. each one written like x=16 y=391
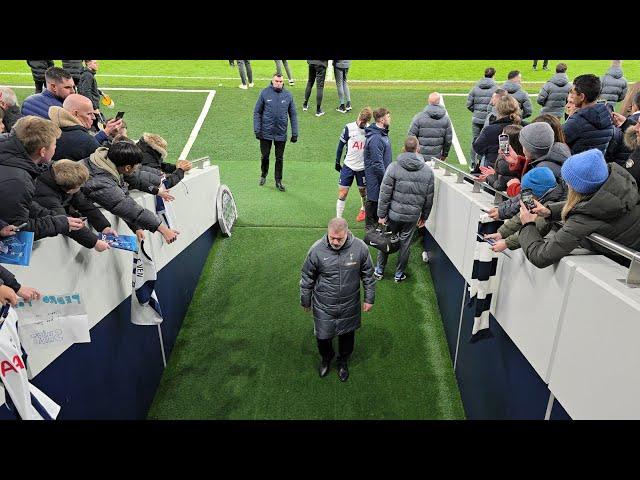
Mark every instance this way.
x=433 y=129
x=75 y=118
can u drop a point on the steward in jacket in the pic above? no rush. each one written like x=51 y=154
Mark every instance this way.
x=53 y=197
x=614 y=85
x=271 y=115
x=377 y=157
x=330 y=285
x=553 y=95
x=433 y=129
x=479 y=98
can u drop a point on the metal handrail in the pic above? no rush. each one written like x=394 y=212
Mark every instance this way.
x=199 y=162
x=633 y=275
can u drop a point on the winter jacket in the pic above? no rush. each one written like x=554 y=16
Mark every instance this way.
x=515 y=89
x=271 y=115
x=107 y=188
x=74 y=67
x=503 y=174
x=11 y=116
x=144 y=179
x=342 y=63
x=38 y=67
x=632 y=165
x=49 y=194
x=88 y=86
x=589 y=127
x=153 y=156
x=38 y=104
x=406 y=194
x=511 y=228
x=7 y=278
x=17 y=177
x=614 y=86
x=486 y=143
x=553 y=95
x=479 y=98
x=554 y=159
x=432 y=126
x=330 y=284
x=75 y=142
x=377 y=157
x=613 y=211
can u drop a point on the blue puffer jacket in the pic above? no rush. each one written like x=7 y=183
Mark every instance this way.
x=589 y=127
x=271 y=115
x=38 y=104
x=377 y=157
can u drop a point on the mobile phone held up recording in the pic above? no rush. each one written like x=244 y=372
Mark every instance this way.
x=527 y=198
x=503 y=143
x=119 y=115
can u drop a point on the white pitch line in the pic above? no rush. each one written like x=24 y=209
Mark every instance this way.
x=456 y=143
x=127 y=89
x=197 y=126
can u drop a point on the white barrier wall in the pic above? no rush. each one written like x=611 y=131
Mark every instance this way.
x=575 y=322
x=59 y=265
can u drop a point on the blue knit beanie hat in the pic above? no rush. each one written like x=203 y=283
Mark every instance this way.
x=585 y=172
x=540 y=180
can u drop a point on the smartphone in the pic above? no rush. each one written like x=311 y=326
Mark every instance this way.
x=21 y=226
x=503 y=143
x=119 y=115
x=527 y=198
x=490 y=241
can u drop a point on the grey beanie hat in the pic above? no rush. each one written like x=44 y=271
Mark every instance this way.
x=537 y=138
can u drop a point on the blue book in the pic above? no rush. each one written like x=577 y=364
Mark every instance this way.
x=16 y=249
x=123 y=242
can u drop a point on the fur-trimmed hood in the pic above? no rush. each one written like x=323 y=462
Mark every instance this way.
x=631 y=139
x=154 y=142
x=62 y=118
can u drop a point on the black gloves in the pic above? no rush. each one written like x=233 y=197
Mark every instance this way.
x=338 y=167
x=294 y=138
x=258 y=136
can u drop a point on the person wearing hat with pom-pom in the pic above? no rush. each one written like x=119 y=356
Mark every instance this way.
x=602 y=198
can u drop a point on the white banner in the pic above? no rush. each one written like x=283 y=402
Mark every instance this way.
x=145 y=308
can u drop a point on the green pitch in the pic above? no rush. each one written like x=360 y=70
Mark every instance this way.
x=246 y=349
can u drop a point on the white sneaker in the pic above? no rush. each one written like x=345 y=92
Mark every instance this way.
x=243 y=87
x=251 y=84
x=425 y=257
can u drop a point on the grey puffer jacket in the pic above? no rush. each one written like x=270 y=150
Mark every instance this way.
x=478 y=99
x=515 y=89
x=613 y=211
x=432 y=126
x=553 y=95
x=107 y=188
x=406 y=194
x=614 y=86
x=330 y=284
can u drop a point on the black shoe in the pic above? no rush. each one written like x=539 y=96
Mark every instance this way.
x=348 y=106
x=305 y=107
x=262 y=180
x=319 y=113
x=400 y=277
x=341 y=109
x=343 y=372
x=279 y=186
x=545 y=68
x=325 y=365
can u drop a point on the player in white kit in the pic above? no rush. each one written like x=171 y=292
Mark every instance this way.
x=353 y=137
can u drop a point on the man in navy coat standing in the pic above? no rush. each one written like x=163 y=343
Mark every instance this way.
x=270 y=121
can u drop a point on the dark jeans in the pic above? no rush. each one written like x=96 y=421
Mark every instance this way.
x=265 y=150
x=405 y=231
x=345 y=347
x=316 y=74
x=371 y=212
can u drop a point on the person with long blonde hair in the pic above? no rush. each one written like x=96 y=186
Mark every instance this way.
x=602 y=198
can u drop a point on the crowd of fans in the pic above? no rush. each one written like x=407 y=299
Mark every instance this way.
x=61 y=159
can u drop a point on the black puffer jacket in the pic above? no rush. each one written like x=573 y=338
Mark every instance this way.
x=330 y=284
x=74 y=67
x=487 y=142
x=153 y=156
x=433 y=128
x=38 y=67
x=614 y=86
x=17 y=177
x=406 y=194
x=515 y=89
x=613 y=212
x=589 y=127
x=553 y=95
x=478 y=99
x=88 y=86
x=7 y=278
x=11 y=116
x=51 y=196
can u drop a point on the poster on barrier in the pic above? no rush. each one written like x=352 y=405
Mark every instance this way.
x=52 y=321
x=16 y=249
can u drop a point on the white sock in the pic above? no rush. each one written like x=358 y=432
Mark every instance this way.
x=340 y=208
x=362 y=202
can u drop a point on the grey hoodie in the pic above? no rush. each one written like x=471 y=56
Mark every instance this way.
x=614 y=86
x=479 y=97
x=406 y=194
x=432 y=126
x=553 y=95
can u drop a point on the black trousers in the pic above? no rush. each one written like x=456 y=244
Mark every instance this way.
x=544 y=63
x=317 y=74
x=39 y=85
x=371 y=212
x=345 y=347
x=405 y=231
x=265 y=150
